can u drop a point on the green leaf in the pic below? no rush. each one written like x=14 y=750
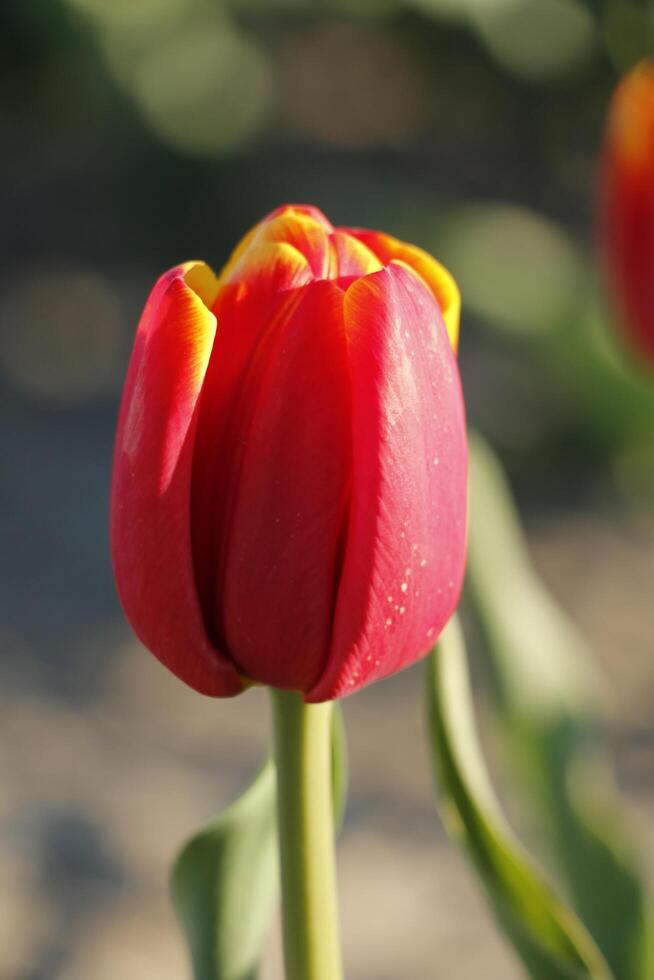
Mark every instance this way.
x=225 y=881
x=544 y=685
x=551 y=941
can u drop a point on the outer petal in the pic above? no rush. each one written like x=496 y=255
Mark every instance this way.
x=405 y=553
x=436 y=276
x=289 y=498
x=304 y=228
x=150 y=497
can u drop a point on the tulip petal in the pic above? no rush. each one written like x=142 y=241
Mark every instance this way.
x=405 y=551
x=150 y=501
x=308 y=210
x=300 y=225
x=304 y=233
x=291 y=485
x=261 y=288
x=435 y=275
x=353 y=258
x=271 y=267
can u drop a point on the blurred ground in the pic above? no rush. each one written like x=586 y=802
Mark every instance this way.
x=476 y=137
x=107 y=762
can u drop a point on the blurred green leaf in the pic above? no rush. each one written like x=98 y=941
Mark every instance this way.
x=447 y=10
x=225 y=880
x=628 y=29
x=612 y=390
x=533 y=39
x=225 y=883
x=551 y=941
x=516 y=268
x=206 y=90
x=544 y=686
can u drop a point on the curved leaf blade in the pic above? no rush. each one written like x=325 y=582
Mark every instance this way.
x=225 y=882
x=545 y=684
x=551 y=941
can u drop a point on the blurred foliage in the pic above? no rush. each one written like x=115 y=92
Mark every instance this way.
x=548 y=937
x=470 y=127
x=224 y=885
x=535 y=40
x=515 y=268
x=544 y=683
x=628 y=30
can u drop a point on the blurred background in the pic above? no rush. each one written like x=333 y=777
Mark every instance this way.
x=139 y=133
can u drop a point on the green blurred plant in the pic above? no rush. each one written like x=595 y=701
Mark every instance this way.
x=543 y=684
x=551 y=941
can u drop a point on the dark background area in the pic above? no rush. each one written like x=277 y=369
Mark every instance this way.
x=140 y=133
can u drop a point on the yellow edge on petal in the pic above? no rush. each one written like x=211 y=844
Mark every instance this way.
x=179 y=308
x=270 y=230
x=263 y=258
x=449 y=299
x=201 y=278
x=200 y=322
x=442 y=285
x=349 y=251
x=435 y=276
x=632 y=115
x=236 y=256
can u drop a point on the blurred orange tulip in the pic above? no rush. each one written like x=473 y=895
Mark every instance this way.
x=626 y=206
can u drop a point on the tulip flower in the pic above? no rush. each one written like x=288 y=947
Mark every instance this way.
x=289 y=486
x=627 y=206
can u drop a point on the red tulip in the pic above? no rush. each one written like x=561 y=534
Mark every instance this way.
x=289 y=487
x=627 y=206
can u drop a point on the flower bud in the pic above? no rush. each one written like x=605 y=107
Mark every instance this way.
x=290 y=476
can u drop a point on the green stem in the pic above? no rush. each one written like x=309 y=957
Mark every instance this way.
x=303 y=734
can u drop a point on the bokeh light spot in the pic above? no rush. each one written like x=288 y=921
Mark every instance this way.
x=535 y=39
x=344 y=85
x=205 y=90
x=60 y=334
x=447 y=10
x=515 y=268
x=130 y=15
